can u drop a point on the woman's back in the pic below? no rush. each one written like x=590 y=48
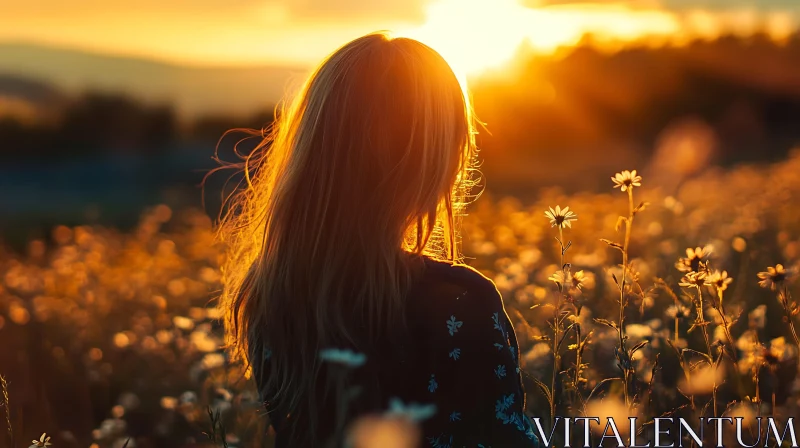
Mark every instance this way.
x=365 y=173
x=458 y=352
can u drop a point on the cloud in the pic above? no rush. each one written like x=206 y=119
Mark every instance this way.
x=631 y=3
x=303 y=31
x=194 y=31
x=763 y=5
x=400 y=10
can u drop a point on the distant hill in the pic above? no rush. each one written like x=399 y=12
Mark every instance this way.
x=737 y=98
x=193 y=90
x=26 y=89
x=29 y=100
x=729 y=100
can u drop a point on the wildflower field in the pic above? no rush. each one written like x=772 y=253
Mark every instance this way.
x=648 y=301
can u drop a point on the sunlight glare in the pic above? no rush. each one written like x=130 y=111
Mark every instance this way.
x=476 y=35
x=473 y=35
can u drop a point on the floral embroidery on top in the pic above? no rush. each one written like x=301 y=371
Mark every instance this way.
x=499 y=327
x=412 y=411
x=347 y=358
x=453 y=325
x=516 y=419
x=432 y=384
x=503 y=404
x=441 y=442
x=458 y=428
x=455 y=354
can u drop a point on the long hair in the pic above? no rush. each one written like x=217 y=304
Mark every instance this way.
x=367 y=169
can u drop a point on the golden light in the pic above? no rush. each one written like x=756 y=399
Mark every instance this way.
x=476 y=35
x=472 y=35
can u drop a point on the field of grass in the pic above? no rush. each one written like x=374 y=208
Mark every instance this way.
x=108 y=337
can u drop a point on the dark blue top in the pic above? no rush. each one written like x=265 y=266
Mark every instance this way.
x=459 y=354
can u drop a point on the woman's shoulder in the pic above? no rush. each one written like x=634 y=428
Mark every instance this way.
x=455 y=273
x=446 y=283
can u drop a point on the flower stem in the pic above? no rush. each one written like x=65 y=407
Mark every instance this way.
x=556 y=361
x=676 y=331
x=757 y=374
x=708 y=346
x=687 y=370
x=785 y=302
x=794 y=332
x=702 y=318
x=556 y=327
x=621 y=330
x=726 y=326
x=578 y=357
x=7 y=406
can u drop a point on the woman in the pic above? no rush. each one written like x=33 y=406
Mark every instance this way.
x=345 y=238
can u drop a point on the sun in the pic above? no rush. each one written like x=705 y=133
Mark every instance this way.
x=473 y=35
x=477 y=35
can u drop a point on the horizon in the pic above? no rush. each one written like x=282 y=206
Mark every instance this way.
x=201 y=89
x=586 y=40
x=474 y=36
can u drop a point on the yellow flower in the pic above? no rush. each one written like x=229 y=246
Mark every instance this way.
x=627 y=180
x=752 y=352
x=758 y=317
x=678 y=312
x=561 y=277
x=575 y=283
x=560 y=218
x=581 y=280
x=694 y=259
x=720 y=280
x=694 y=279
x=777 y=351
x=774 y=277
x=43 y=441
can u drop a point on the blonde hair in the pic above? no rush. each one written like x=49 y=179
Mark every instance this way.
x=365 y=171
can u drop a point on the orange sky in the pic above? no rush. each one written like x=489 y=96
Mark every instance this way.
x=473 y=34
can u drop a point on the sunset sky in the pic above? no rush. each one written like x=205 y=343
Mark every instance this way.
x=473 y=34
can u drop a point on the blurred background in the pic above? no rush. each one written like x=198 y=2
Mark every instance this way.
x=106 y=108
x=110 y=114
